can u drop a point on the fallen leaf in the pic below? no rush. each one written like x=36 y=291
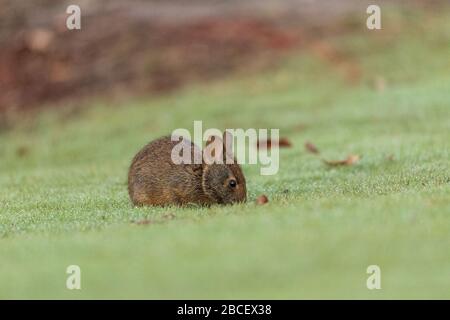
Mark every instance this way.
x=268 y=144
x=350 y=160
x=262 y=199
x=284 y=142
x=311 y=148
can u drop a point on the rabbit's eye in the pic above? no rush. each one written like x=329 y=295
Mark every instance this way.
x=232 y=183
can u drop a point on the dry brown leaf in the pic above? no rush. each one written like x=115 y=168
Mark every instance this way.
x=350 y=160
x=262 y=199
x=311 y=148
x=282 y=143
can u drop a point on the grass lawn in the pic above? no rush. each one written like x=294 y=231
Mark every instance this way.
x=64 y=201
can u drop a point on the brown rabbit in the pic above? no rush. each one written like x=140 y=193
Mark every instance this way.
x=154 y=179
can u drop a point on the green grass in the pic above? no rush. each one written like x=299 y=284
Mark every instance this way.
x=64 y=201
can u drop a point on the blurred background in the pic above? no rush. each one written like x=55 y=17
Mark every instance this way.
x=153 y=47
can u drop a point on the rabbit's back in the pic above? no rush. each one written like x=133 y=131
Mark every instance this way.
x=154 y=179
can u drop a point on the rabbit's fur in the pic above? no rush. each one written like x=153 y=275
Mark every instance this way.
x=154 y=179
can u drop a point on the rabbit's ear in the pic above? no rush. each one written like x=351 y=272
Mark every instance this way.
x=228 y=156
x=213 y=152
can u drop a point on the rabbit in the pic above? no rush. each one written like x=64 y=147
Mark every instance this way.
x=155 y=180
